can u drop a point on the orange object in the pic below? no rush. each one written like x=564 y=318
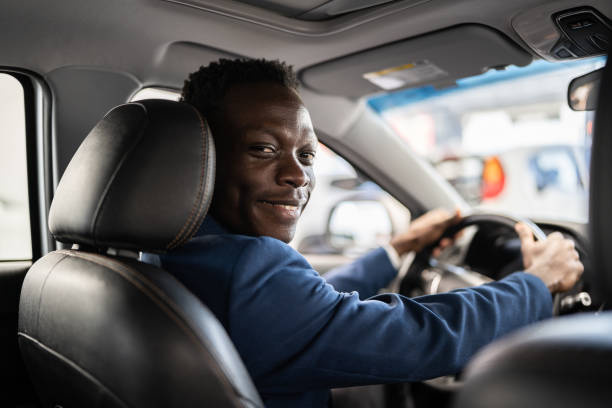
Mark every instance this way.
x=493 y=178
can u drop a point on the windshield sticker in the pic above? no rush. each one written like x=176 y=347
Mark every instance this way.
x=407 y=74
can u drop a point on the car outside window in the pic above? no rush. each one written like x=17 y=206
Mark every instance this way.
x=506 y=140
x=15 y=240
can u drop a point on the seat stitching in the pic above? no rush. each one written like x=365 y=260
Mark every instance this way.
x=207 y=193
x=72 y=364
x=42 y=289
x=201 y=193
x=199 y=196
x=208 y=186
x=205 y=148
x=171 y=310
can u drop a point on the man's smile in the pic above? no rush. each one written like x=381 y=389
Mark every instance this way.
x=288 y=209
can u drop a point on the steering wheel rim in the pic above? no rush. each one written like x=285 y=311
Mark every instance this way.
x=449 y=384
x=424 y=259
x=495 y=218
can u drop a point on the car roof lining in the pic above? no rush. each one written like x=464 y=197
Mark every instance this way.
x=295 y=18
x=133 y=37
x=177 y=58
x=316 y=10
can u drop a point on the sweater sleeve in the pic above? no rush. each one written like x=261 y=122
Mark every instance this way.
x=295 y=332
x=366 y=275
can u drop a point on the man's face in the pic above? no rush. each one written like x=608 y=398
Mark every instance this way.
x=265 y=151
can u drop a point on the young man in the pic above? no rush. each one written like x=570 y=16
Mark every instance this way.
x=300 y=334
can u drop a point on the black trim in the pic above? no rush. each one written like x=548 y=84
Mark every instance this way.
x=600 y=194
x=37 y=109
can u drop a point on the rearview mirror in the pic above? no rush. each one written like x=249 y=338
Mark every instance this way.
x=582 y=91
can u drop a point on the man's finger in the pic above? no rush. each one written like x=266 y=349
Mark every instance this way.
x=452 y=219
x=555 y=236
x=524 y=233
x=445 y=242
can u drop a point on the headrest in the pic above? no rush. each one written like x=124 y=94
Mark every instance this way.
x=141 y=180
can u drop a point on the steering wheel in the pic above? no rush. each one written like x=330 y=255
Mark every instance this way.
x=429 y=275
x=426 y=273
x=492 y=218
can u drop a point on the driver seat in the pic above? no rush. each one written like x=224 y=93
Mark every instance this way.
x=99 y=328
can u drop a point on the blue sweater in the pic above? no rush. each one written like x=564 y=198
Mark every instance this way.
x=299 y=334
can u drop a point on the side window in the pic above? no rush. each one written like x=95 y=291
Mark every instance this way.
x=15 y=240
x=347 y=213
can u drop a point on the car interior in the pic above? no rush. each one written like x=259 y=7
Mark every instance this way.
x=84 y=323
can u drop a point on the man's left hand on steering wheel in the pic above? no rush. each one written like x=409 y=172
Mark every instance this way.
x=425 y=230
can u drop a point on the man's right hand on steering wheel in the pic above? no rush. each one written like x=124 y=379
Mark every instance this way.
x=554 y=260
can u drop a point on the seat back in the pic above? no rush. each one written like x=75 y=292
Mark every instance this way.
x=98 y=328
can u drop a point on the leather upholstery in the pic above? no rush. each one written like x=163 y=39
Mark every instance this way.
x=98 y=331
x=103 y=331
x=561 y=363
x=142 y=160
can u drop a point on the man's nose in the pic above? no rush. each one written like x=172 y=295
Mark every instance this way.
x=292 y=172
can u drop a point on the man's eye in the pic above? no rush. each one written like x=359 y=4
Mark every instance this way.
x=308 y=156
x=262 y=149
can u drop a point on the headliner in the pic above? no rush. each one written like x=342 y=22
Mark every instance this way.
x=136 y=37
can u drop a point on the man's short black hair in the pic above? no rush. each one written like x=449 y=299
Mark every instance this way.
x=206 y=87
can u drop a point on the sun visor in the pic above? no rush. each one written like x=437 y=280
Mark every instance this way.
x=438 y=59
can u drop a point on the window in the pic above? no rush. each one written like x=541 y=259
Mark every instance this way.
x=506 y=140
x=347 y=214
x=15 y=241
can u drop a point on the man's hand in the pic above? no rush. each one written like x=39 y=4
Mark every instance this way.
x=554 y=260
x=425 y=230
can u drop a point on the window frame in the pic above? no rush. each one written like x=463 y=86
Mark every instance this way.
x=39 y=153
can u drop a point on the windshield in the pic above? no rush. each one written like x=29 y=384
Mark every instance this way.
x=505 y=140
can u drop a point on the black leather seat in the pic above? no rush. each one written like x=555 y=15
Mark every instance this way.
x=98 y=328
x=565 y=362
